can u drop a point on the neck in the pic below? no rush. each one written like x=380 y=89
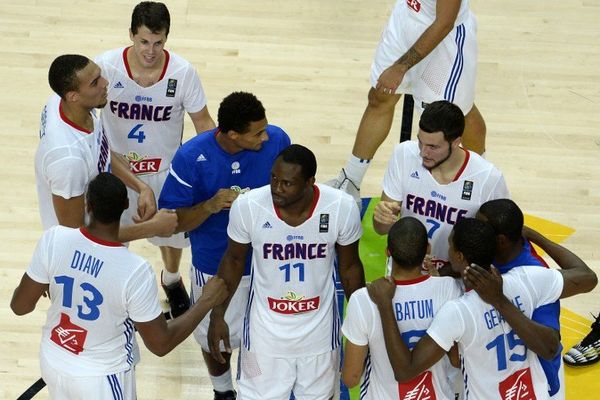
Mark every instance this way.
x=504 y=257
x=453 y=163
x=295 y=214
x=79 y=115
x=140 y=68
x=228 y=145
x=405 y=274
x=106 y=232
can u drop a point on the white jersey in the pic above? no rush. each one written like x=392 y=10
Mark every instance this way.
x=416 y=302
x=292 y=310
x=146 y=123
x=424 y=11
x=439 y=206
x=97 y=289
x=495 y=362
x=68 y=157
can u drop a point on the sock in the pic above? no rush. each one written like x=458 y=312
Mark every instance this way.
x=356 y=168
x=168 y=278
x=222 y=383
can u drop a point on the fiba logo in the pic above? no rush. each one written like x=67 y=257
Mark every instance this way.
x=235 y=168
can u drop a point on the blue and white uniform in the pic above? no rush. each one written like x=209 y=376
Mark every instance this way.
x=97 y=289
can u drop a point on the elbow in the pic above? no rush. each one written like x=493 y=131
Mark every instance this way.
x=159 y=351
x=381 y=229
x=20 y=310
x=350 y=380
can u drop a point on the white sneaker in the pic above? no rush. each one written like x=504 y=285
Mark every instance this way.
x=344 y=183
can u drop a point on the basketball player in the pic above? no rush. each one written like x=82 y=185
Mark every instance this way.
x=99 y=292
x=496 y=364
x=436 y=181
x=416 y=300
x=290 y=336
x=149 y=92
x=207 y=174
x=428 y=49
x=73 y=149
x=512 y=251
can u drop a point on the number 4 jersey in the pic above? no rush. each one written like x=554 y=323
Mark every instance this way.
x=292 y=310
x=97 y=288
x=495 y=362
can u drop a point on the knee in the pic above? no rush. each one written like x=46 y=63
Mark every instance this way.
x=380 y=100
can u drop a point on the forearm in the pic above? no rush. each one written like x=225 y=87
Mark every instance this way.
x=189 y=218
x=179 y=329
x=231 y=270
x=561 y=255
x=542 y=340
x=381 y=228
x=398 y=353
x=352 y=278
x=120 y=168
x=425 y=44
x=142 y=230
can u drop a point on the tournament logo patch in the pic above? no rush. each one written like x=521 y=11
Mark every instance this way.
x=141 y=165
x=68 y=335
x=324 y=223
x=419 y=388
x=171 y=87
x=291 y=303
x=518 y=386
x=467 y=190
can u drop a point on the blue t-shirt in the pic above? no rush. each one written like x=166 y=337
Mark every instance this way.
x=199 y=169
x=547 y=315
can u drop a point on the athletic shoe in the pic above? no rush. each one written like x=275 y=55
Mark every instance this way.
x=344 y=183
x=586 y=352
x=177 y=298
x=228 y=395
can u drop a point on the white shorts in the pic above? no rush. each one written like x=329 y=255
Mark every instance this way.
x=119 y=386
x=264 y=378
x=447 y=73
x=234 y=315
x=156 y=182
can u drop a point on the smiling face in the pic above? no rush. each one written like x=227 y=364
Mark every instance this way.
x=148 y=46
x=288 y=185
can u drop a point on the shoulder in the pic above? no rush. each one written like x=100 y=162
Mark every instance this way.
x=177 y=62
x=479 y=163
x=198 y=143
x=109 y=57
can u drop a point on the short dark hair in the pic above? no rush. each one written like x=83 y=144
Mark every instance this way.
x=407 y=242
x=443 y=116
x=153 y=15
x=107 y=197
x=62 y=75
x=238 y=110
x=505 y=216
x=476 y=240
x=302 y=156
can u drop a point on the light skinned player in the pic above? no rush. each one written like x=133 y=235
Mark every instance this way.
x=150 y=91
x=99 y=292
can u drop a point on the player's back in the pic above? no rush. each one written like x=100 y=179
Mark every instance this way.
x=97 y=288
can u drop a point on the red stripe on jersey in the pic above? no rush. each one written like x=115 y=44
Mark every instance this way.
x=462 y=168
x=94 y=239
x=164 y=71
x=316 y=195
x=412 y=281
x=128 y=68
x=69 y=122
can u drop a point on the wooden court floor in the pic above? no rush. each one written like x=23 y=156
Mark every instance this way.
x=308 y=61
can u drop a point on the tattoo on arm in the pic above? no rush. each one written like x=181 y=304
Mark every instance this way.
x=410 y=58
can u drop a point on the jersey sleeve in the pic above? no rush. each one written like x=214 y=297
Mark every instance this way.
x=497 y=186
x=142 y=295
x=357 y=322
x=392 y=179
x=194 y=98
x=447 y=327
x=177 y=191
x=351 y=229
x=66 y=173
x=238 y=227
x=38 y=269
x=546 y=285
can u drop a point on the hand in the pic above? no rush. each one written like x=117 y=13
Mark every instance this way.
x=390 y=78
x=146 y=207
x=218 y=331
x=222 y=199
x=381 y=291
x=387 y=212
x=488 y=285
x=430 y=266
x=163 y=223
x=214 y=292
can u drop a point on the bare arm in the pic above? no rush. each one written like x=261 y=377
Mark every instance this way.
x=202 y=120
x=69 y=212
x=146 y=206
x=578 y=277
x=352 y=274
x=163 y=223
x=26 y=295
x=406 y=364
x=231 y=269
x=161 y=337
x=386 y=213
x=192 y=217
x=541 y=339
x=354 y=363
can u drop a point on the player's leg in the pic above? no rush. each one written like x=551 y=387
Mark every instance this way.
x=318 y=376
x=263 y=377
x=177 y=296
x=473 y=137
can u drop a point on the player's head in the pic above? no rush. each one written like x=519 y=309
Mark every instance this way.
x=150 y=23
x=505 y=216
x=106 y=198
x=75 y=78
x=440 y=129
x=242 y=119
x=407 y=243
x=293 y=175
x=471 y=242
x=153 y=15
